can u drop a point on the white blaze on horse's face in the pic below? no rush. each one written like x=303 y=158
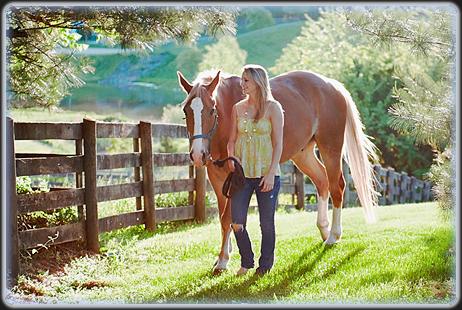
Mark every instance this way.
x=197 y=147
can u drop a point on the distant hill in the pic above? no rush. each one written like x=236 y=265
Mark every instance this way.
x=158 y=69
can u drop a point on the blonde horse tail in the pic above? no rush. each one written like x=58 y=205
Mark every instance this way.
x=358 y=149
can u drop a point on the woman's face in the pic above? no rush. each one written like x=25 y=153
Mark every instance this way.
x=248 y=85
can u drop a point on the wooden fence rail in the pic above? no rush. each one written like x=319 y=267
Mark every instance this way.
x=86 y=164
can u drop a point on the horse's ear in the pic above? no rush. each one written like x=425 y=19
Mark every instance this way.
x=213 y=84
x=184 y=83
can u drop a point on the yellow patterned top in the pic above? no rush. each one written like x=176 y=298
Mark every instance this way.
x=254 y=147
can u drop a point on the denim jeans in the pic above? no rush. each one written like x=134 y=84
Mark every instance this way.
x=266 y=209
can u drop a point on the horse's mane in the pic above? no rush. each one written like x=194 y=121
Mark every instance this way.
x=205 y=77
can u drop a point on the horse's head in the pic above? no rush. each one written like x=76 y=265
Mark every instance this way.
x=201 y=116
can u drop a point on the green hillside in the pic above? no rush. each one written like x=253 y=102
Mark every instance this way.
x=263 y=46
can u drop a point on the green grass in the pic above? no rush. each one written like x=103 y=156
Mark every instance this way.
x=407 y=257
x=264 y=46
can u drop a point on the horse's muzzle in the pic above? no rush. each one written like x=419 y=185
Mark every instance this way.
x=200 y=160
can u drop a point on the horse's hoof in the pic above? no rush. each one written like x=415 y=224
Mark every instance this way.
x=217 y=271
x=332 y=239
x=324 y=231
x=324 y=235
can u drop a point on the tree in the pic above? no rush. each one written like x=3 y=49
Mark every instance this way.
x=225 y=55
x=188 y=61
x=40 y=76
x=257 y=18
x=424 y=107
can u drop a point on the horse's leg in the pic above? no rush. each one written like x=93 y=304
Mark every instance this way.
x=307 y=161
x=332 y=158
x=217 y=177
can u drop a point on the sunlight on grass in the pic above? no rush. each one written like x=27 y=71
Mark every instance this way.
x=404 y=258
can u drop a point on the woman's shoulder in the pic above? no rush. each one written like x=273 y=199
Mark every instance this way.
x=275 y=106
x=241 y=103
x=238 y=106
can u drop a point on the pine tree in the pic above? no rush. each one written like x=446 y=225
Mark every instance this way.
x=424 y=105
x=39 y=76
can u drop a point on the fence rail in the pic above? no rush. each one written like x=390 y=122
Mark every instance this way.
x=85 y=165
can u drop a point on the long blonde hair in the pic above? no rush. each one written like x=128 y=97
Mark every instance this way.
x=260 y=76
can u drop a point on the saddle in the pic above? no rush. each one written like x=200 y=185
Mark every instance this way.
x=235 y=180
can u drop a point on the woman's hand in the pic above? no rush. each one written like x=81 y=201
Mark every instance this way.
x=267 y=182
x=231 y=166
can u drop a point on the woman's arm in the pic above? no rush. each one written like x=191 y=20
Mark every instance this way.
x=232 y=137
x=277 y=124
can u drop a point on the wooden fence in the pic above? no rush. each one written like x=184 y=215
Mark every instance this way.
x=85 y=163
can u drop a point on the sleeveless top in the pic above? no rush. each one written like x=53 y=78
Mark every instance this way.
x=254 y=147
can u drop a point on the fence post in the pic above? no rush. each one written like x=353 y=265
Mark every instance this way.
x=382 y=178
x=200 y=187
x=191 y=193
x=136 y=171
x=12 y=245
x=148 y=177
x=78 y=177
x=300 y=188
x=91 y=201
x=426 y=194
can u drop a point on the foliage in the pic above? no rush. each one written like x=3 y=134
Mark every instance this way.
x=41 y=218
x=24 y=185
x=172 y=114
x=406 y=258
x=441 y=176
x=188 y=61
x=39 y=75
x=169 y=200
x=117 y=145
x=424 y=31
x=424 y=107
x=256 y=18
x=47 y=218
x=167 y=146
x=326 y=46
x=225 y=55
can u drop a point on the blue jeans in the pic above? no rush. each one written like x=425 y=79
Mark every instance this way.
x=266 y=209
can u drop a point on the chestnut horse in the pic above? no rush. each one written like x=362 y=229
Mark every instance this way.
x=318 y=111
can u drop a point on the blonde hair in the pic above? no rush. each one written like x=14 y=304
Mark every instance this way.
x=260 y=77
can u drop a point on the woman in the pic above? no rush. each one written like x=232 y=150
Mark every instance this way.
x=256 y=140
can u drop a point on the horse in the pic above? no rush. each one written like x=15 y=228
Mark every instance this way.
x=318 y=113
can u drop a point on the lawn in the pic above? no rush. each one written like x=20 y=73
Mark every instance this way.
x=406 y=258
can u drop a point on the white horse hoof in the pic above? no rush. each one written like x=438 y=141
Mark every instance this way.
x=218 y=271
x=220 y=266
x=332 y=239
x=324 y=234
x=324 y=230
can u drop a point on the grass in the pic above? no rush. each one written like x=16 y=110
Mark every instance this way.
x=407 y=257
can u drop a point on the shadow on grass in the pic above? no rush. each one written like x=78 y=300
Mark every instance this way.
x=222 y=291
